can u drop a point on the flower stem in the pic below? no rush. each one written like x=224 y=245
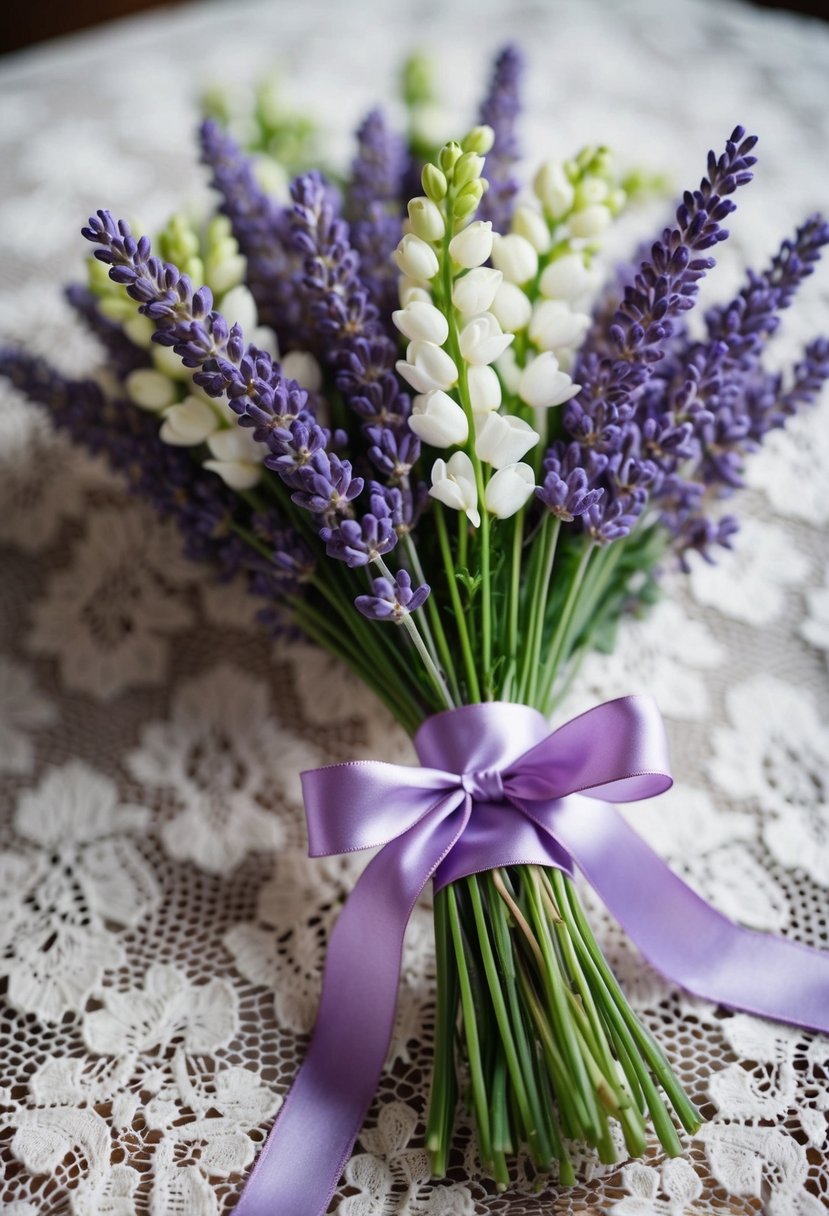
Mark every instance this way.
x=460 y=619
x=470 y=1025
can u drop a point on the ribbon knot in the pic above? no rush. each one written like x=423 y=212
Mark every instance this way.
x=485 y=785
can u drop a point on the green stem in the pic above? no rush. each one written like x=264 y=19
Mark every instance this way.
x=687 y=1113
x=444 y=1083
x=470 y=1026
x=438 y=631
x=538 y=591
x=420 y=646
x=460 y=620
x=502 y=1017
x=540 y=688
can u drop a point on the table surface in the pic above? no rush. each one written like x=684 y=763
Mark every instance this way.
x=162 y=932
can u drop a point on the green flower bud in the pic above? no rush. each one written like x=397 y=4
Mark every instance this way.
x=418 y=88
x=468 y=168
x=479 y=140
x=616 y=200
x=449 y=154
x=433 y=182
x=466 y=203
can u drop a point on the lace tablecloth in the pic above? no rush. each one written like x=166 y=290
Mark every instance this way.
x=162 y=933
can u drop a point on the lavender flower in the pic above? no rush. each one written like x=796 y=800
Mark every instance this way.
x=255 y=387
x=261 y=227
x=500 y=110
x=616 y=364
x=564 y=490
x=374 y=208
x=392 y=601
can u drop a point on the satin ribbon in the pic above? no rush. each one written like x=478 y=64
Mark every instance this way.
x=496 y=788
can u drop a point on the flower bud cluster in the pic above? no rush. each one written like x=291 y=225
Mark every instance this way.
x=189 y=416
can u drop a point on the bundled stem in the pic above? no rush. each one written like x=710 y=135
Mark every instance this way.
x=535 y=989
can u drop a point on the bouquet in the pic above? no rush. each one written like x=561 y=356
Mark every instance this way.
x=408 y=408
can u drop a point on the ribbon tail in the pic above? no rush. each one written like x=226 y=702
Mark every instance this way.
x=300 y=1164
x=681 y=935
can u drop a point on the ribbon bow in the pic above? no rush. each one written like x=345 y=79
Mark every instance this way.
x=496 y=788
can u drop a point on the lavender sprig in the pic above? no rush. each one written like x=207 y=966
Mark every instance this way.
x=261 y=227
x=322 y=483
x=500 y=110
x=615 y=366
x=375 y=209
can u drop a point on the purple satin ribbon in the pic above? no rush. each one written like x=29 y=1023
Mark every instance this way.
x=496 y=788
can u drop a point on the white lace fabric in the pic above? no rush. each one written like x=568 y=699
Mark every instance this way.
x=161 y=931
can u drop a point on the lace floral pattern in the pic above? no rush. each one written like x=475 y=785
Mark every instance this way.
x=107 y=617
x=161 y=929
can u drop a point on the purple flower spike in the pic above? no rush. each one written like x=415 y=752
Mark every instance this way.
x=261 y=226
x=501 y=110
x=392 y=601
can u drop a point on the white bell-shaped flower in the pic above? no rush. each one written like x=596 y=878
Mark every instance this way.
x=484 y=388
x=439 y=420
x=591 y=221
x=472 y=246
x=515 y=257
x=482 y=340
x=509 y=489
x=567 y=279
x=453 y=484
x=422 y=321
x=555 y=189
x=150 y=389
x=554 y=324
x=427 y=367
x=415 y=258
x=509 y=370
x=543 y=385
x=502 y=439
x=412 y=289
x=529 y=223
x=238 y=307
x=512 y=308
x=300 y=365
x=474 y=292
x=166 y=361
x=236 y=458
x=188 y=423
